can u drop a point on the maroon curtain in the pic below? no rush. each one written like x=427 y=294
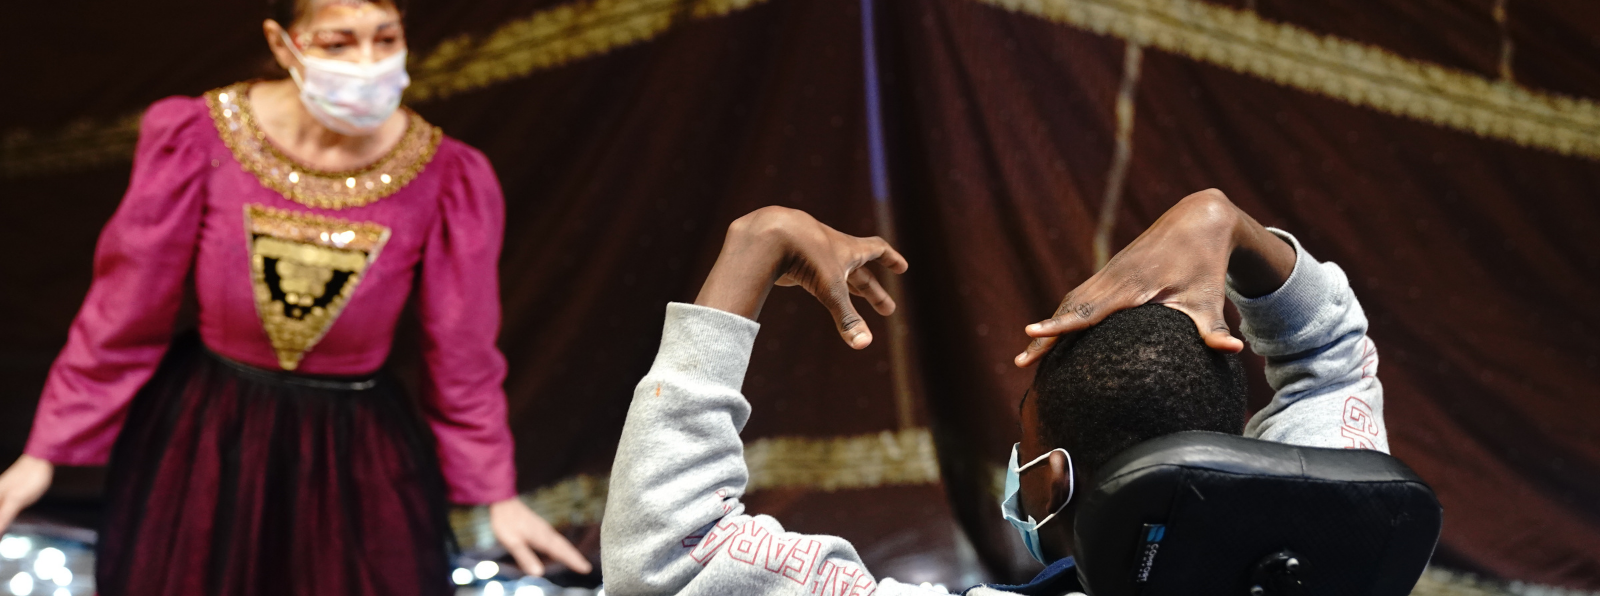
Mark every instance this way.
x=1474 y=258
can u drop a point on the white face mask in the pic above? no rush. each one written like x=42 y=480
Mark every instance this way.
x=346 y=97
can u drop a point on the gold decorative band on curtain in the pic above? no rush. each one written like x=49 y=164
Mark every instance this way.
x=80 y=146
x=547 y=39
x=1234 y=39
x=552 y=38
x=888 y=458
x=1436 y=581
x=1338 y=68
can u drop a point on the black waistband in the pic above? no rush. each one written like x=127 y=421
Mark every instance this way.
x=357 y=383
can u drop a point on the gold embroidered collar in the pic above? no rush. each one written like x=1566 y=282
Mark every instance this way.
x=230 y=109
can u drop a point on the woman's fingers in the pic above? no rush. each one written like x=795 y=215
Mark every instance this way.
x=555 y=546
x=21 y=485
x=8 y=511
x=522 y=553
x=527 y=537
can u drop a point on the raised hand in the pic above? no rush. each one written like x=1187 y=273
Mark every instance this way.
x=1183 y=261
x=775 y=245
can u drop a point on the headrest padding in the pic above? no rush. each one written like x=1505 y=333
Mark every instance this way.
x=1196 y=513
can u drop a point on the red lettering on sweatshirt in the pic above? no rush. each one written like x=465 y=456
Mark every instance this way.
x=802 y=557
x=776 y=549
x=713 y=540
x=1369 y=359
x=1360 y=427
x=843 y=578
x=748 y=544
x=790 y=556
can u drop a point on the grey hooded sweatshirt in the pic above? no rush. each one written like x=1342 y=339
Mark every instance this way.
x=674 y=523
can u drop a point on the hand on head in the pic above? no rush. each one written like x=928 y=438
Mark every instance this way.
x=787 y=247
x=1183 y=262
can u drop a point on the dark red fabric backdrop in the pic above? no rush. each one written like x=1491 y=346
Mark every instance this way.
x=1475 y=259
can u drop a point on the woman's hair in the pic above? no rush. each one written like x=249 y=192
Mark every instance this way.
x=287 y=12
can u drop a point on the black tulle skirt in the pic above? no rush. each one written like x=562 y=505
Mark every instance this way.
x=232 y=480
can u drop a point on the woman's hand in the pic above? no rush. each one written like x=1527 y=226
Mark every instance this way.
x=523 y=533
x=787 y=247
x=21 y=485
x=1182 y=261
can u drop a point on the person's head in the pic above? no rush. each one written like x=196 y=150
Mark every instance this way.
x=348 y=58
x=358 y=31
x=1139 y=374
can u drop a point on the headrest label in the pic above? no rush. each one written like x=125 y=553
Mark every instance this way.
x=1149 y=542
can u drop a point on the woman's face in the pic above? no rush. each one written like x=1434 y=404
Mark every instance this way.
x=349 y=30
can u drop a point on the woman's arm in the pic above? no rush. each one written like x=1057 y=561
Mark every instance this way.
x=458 y=300
x=459 y=303
x=122 y=331
x=674 y=523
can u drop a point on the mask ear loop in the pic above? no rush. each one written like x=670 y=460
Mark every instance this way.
x=1072 y=481
x=294 y=73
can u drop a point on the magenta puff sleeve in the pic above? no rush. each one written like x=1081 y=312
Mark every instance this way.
x=459 y=303
x=141 y=263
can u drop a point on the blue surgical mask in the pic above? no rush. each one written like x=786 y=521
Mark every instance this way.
x=1011 y=503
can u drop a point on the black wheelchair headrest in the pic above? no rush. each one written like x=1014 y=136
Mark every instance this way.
x=1208 y=513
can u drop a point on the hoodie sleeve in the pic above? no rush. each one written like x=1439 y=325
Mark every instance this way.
x=674 y=523
x=1320 y=362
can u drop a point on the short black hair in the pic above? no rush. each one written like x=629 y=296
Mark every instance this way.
x=1137 y=375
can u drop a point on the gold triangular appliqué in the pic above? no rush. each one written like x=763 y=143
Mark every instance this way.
x=305 y=268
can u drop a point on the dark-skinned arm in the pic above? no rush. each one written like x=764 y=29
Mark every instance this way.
x=1298 y=313
x=674 y=522
x=1185 y=261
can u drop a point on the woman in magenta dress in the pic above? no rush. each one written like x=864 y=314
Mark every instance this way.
x=269 y=456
